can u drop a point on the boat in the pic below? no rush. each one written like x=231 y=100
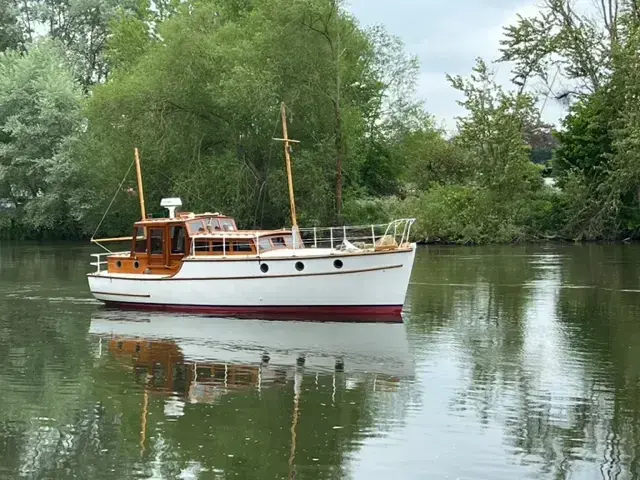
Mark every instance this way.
x=203 y=263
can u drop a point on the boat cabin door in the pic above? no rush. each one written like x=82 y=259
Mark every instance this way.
x=157 y=241
x=167 y=245
x=164 y=246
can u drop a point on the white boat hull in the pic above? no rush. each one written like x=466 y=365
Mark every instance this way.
x=370 y=284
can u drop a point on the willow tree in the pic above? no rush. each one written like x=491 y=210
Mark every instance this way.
x=40 y=117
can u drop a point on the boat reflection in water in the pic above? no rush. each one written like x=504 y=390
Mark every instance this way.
x=255 y=345
x=199 y=360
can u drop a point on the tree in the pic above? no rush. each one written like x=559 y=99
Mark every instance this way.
x=563 y=42
x=10 y=33
x=82 y=26
x=40 y=115
x=540 y=137
x=493 y=132
x=201 y=101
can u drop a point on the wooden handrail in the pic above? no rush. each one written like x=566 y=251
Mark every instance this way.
x=113 y=239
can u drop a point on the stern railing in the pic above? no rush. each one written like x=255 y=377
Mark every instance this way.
x=99 y=259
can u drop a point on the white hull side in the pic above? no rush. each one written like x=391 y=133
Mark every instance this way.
x=364 y=280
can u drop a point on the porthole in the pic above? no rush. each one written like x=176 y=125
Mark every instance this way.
x=264 y=268
x=299 y=266
x=118 y=264
x=136 y=264
x=337 y=263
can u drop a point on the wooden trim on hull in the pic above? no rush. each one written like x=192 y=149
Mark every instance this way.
x=315 y=313
x=252 y=277
x=123 y=294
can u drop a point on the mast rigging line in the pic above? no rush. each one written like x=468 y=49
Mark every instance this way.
x=261 y=200
x=112 y=200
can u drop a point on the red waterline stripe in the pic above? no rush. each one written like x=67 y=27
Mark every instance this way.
x=337 y=313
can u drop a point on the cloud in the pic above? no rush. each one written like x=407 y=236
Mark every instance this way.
x=447 y=37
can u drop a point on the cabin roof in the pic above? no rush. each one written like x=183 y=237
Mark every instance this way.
x=241 y=233
x=180 y=218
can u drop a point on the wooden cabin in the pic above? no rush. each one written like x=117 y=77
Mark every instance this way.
x=158 y=245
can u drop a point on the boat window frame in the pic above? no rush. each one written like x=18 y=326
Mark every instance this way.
x=135 y=241
x=227 y=222
x=267 y=241
x=241 y=241
x=154 y=257
x=193 y=222
x=198 y=243
x=173 y=239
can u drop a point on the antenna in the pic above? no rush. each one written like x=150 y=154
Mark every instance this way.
x=171 y=204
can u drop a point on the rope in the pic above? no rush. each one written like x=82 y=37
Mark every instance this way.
x=112 y=200
x=261 y=202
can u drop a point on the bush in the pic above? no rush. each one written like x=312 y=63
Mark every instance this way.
x=465 y=214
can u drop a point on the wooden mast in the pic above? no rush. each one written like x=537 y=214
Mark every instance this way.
x=140 y=190
x=287 y=141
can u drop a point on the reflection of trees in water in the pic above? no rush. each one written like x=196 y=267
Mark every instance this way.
x=83 y=416
x=25 y=263
x=603 y=323
x=45 y=380
x=482 y=292
x=493 y=304
x=247 y=429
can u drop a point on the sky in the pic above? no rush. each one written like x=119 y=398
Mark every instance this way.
x=447 y=37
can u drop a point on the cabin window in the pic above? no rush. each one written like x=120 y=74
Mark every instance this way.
x=157 y=241
x=177 y=239
x=242 y=246
x=213 y=224
x=202 y=246
x=278 y=242
x=227 y=224
x=219 y=247
x=195 y=227
x=141 y=241
x=265 y=245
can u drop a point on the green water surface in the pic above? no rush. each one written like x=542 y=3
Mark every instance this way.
x=513 y=362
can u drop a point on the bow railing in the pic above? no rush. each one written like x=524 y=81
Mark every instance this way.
x=364 y=237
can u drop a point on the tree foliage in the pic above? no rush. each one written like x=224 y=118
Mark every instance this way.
x=595 y=161
x=202 y=101
x=40 y=117
x=197 y=85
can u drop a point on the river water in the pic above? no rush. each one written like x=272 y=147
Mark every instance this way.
x=513 y=362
